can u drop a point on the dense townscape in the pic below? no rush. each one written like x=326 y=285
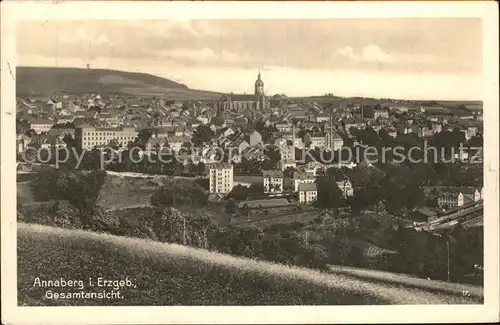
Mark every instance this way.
x=277 y=178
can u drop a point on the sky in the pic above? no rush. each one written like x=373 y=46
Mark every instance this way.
x=421 y=58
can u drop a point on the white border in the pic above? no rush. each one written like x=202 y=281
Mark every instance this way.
x=15 y=11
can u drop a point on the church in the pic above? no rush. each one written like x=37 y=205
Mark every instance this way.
x=232 y=102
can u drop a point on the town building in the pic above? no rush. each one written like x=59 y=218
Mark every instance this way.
x=41 y=125
x=272 y=181
x=22 y=142
x=333 y=141
x=459 y=197
x=253 y=138
x=177 y=142
x=88 y=136
x=346 y=188
x=308 y=192
x=380 y=113
x=315 y=141
x=220 y=178
x=302 y=178
x=284 y=164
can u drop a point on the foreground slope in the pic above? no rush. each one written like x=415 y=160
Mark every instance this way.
x=166 y=274
x=48 y=80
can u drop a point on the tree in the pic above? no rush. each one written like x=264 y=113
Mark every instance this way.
x=239 y=193
x=329 y=194
x=142 y=138
x=231 y=206
x=80 y=188
x=202 y=134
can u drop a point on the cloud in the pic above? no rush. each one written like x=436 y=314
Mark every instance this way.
x=374 y=54
x=192 y=27
x=205 y=55
x=369 y=53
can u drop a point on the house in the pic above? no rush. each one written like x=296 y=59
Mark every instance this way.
x=272 y=181
x=296 y=141
x=253 y=138
x=53 y=141
x=287 y=152
x=345 y=187
x=284 y=164
x=284 y=127
x=314 y=141
x=302 y=178
x=380 y=113
x=41 y=125
x=308 y=192
x=459 y=197
x=22 y=142
x=333 y=141
x=437 y=127
x=177 y=142
x=239 y=145
x=228 y=132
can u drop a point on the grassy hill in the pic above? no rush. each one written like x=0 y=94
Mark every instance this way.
x=48 y=80
x=167 y=274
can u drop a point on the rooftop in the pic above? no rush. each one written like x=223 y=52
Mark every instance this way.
x=307 y=187
x=272 y=173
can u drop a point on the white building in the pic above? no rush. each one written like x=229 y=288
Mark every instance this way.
x=345 y=187
x=220 y=178
x=308 y=192
x=284 y=164
x=88 y=136
x=333 y=141
x=459 y=198
x=272 y=181
x=287 y=152
x=296 y=141
x=380 y=113
x=41 y=125
x=302 y=178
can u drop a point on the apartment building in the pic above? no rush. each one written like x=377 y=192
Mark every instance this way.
x=220 y=178
x=272 y=181
x=88 y=136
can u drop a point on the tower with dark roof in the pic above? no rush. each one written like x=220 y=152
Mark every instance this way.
x=259 y=92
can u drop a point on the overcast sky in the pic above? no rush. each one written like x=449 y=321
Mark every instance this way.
x=430 y=58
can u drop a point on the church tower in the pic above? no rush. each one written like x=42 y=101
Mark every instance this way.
x=259 y=86
x=259 y=92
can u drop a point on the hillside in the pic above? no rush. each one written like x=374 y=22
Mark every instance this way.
x=48 y=80
x=167 y=274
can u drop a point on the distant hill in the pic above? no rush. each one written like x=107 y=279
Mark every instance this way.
x=168 y=274
x=47 y=80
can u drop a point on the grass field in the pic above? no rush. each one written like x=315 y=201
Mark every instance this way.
x=122 y=191
x=165 y=274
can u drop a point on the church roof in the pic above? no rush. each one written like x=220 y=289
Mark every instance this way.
x=240 y=98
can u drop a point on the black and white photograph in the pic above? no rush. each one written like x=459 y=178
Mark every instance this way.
x=231 y=160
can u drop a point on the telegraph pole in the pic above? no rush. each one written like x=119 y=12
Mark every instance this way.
x=448 y=256
x=184 y=230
